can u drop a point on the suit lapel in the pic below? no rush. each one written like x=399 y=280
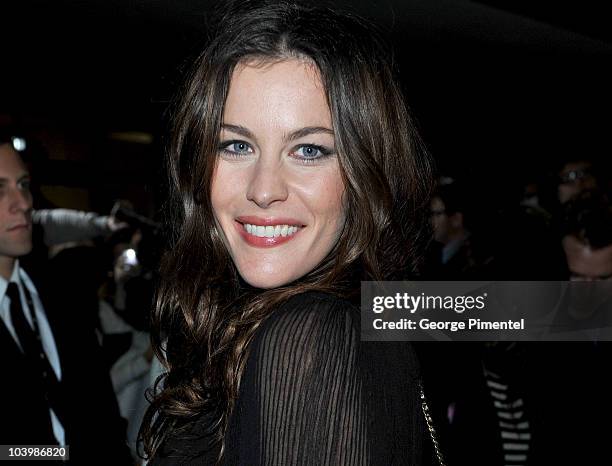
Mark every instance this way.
x=10 y=349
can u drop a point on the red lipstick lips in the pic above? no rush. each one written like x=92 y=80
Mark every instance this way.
x=266 y=242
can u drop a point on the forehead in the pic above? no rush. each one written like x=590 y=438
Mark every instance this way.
x=583 y=260
x=11 y=165
x=285 y=94
x=576 y=165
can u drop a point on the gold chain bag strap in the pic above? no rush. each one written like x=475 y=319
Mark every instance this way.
x=430 y=427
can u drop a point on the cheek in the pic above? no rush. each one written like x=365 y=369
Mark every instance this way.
x=566 y=191
x=335 y=200
x=222 y=197
x=323 y=195
x=225 y=190
x=332 y=199
x=438 y=224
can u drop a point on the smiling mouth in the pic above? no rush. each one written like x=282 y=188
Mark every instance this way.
x=271 y=231
x=268 y=235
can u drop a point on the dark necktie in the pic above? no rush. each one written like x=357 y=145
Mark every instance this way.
x=32 y=348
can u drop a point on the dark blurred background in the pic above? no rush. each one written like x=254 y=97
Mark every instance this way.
x=500 y=89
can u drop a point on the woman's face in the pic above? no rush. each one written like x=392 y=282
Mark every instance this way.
x=277 y=188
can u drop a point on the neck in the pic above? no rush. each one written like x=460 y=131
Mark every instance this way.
x=6 y=267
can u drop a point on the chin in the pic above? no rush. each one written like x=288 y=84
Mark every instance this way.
x=23 y=250
x=266 y=283
x=267 y=280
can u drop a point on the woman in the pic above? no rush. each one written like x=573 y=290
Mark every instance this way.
x=297 y=173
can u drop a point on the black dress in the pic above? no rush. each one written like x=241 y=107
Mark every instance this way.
x=314 y=394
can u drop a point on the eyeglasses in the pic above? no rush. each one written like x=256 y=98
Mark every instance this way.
x=574 y=175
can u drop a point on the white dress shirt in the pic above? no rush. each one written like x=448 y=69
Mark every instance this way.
x=48 y=342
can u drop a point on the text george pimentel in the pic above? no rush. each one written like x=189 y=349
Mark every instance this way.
x=458 y=304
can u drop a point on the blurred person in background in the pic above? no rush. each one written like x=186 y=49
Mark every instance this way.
x=72 y=226
x=587 y=236
x=457 y=253
x=125 y=314
x=55 y=390
x=115 y=290
x=574 y=173
x=587 y=243
x=54 y=229
x=574 y=177
x=126 y=350
x=449 y=229
x=516 y=403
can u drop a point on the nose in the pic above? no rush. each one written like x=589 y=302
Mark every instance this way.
x=20 y=200
x=267 y=183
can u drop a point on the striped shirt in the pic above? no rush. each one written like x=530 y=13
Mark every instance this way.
x=511 y=418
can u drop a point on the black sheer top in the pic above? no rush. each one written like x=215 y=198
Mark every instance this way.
x=314 y=394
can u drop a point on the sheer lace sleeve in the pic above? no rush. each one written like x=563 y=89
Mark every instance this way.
x=314 y=394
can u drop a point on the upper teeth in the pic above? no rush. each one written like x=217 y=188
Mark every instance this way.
x=270 y=231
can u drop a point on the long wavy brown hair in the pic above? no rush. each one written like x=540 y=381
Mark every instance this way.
x=205 y=315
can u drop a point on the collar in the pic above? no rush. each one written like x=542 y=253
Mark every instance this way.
x=15 y=277
x=453 y=247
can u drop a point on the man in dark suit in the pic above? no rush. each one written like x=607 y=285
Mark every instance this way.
x=55 y=389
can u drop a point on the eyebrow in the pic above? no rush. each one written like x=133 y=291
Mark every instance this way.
x=297 y=134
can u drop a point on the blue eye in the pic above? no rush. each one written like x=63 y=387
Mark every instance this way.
x=311 y=152
x=236 y=148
